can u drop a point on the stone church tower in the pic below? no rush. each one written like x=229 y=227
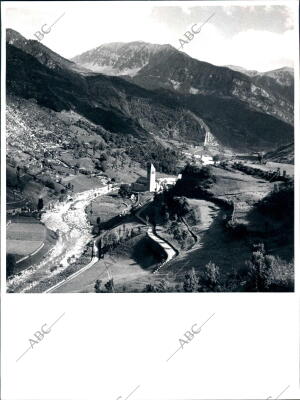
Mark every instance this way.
x=151 y=178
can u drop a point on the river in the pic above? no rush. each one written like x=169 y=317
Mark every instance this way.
x=68 y=219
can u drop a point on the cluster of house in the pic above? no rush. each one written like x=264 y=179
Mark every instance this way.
x=203 y=159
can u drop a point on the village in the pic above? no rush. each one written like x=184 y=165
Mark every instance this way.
x=59 y=241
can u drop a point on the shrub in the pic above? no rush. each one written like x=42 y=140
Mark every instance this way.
x=210 y=278
x=200 y=173
x=109 y=286
x=124 y=191
x=159 y=287
x=195 y=181
x=269 y=273
x=149 y=288
x=191 y=282
x=180 y=233
x=97 y=286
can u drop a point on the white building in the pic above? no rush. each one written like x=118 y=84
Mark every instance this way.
x=207 y=160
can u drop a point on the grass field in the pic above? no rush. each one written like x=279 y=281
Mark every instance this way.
x=130 y=265
x=24 y=238
x=22 y=247
x=271 y=166
x=83 y=182
x=106 y=207
x=237 y=185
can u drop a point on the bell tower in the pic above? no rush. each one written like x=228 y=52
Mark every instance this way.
x=151 y=177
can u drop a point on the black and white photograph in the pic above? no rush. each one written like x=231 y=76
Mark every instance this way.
x=150 y=200
x=150 y=150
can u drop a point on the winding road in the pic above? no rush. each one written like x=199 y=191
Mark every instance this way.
x=170 y=251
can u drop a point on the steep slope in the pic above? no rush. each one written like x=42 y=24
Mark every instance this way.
x=284 y=76
x=284 y=154
x=186 y=75
x=162 y=66
x=279 y=81
x=42 y=53
x=111 y=102
x=126 y=108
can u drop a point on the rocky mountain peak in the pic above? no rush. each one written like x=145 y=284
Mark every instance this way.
x=120 y=58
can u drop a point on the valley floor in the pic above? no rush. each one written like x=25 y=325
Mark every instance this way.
x=132 y=262
x=133 y=270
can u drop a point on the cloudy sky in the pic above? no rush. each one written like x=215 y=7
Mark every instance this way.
x=260 y=37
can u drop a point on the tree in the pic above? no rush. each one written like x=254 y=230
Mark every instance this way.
x=149 y=288
x=210 y=278
x=94 y=143
x=258 y=272
x=159 y=287
x=10 y=264
x=166 y=217
x=109 y=286
x=260 y=157
x=124 y=191
x=18 y=174
x=98 y=224
x=191 y=281
x=216 y=158
x=97 y=286
x=268 y=273
x=162 y=286
x=40 y=205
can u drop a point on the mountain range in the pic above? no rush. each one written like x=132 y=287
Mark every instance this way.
x=155 y=91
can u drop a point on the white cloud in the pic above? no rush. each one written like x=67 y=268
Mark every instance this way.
x=252 y=49
x=290 y=17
